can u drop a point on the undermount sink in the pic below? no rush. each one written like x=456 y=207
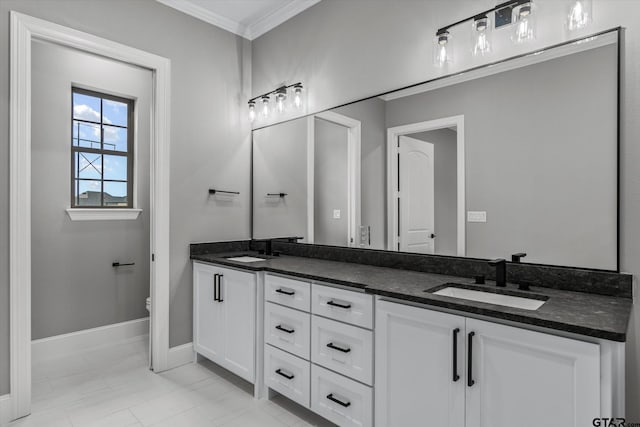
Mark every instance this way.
x=497 y=297
x=246 y=258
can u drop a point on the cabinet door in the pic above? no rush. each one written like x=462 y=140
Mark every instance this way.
x=530 y=379
x=208 y=328
x=238 y=294
x=415 y=383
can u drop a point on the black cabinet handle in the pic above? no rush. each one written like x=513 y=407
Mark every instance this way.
x=283 y=329
x=470 y=381
x=456 y=377
x=215 y=287
x=335 y=347
x=282 y=291
x=287 y=376
x=220 y=276
x=335 y=304
x=338 y=401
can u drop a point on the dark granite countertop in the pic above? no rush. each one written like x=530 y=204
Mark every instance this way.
x=581 y=313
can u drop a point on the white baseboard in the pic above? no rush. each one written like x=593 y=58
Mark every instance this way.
x=5 y=404
x=180 y=355
x=62 y=345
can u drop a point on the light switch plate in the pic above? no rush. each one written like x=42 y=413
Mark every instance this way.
x=476 y=216
x=336 y=214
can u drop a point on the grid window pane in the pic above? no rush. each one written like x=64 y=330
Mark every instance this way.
x=86 y=135
x=101 y=150
x=86 y=107
x=115 y=138
x=115 y=167
x=114 y=112
x=88 y=193
x=115 y=193
x=88 y=165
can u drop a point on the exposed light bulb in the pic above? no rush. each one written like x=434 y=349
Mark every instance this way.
x=297 y=96
x=281 y=96
x=579 y=15
x=524 y=19
x=442 y=49
x=252 y=111
x=265 y=106
x=481 y=30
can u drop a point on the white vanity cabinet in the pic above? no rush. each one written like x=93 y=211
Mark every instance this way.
x=224 y=317
x=432 y=368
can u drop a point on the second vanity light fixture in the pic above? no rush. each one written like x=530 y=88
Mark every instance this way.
x=280 y=96
x=519 y=13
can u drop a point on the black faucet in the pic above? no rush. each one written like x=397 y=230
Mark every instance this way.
x=268 y=249
x=518 y=256
x=501 y=271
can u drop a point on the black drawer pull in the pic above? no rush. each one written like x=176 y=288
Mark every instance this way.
x=456 y=377
x=283 y=329
x=470 y=381
x=335 y=304
x=335 y=347
x=282 y=291
x=215 y=287
x=338 y=401
x=282 y=373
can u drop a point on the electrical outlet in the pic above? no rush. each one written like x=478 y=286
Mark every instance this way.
x=336 y=214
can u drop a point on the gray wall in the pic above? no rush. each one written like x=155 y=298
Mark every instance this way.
x=330 y=184
x=445 y=188
x=73 y=285
x=540 y=157
x=280 y=166
x=210 y=143
x=371 y=114
x=392 y=42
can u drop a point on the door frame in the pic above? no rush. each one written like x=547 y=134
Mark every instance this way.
x=392 y=176
x=354 y=131
x=24 y=29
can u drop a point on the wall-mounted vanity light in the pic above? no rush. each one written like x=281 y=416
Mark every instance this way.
x=579 y=15
x=481 y=35
x=443 y=50
x=280 y=95
x=524 y=20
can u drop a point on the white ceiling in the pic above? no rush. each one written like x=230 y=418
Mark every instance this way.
x=247 y=18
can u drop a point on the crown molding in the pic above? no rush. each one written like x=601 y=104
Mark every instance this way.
x=252 y=31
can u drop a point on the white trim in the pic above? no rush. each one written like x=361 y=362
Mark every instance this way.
x=180 y=355
x=5 y=409
x=249 y=31
x=80 y=214
x=507 y=65
x=311 y=153
x=392 y=176
x=354 y=158
x=24 y=29
x=71 y=343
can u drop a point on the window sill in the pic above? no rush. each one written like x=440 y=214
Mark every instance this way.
x=79 y=214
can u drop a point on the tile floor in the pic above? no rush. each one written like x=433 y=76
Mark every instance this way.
x=112 y=387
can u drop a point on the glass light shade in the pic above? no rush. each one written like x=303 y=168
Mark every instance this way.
x=580 y=15
x=481 y=36
x=524 y=20
x=252 y=111
x=297 y=96
x=280 y=98
x=442 y=49
x=265 y=106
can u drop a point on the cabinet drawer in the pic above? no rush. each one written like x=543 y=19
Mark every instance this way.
x=287 y=329
x=339 y=304
x=290 y=292
x=342 y=348
x=287 y=374
x=339 y=399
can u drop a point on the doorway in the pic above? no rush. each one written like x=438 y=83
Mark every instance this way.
x=426 y=187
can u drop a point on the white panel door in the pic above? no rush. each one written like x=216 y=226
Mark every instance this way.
x=417 y=383
x=208 y=327
x=530 y=379
x=238 y=295
x=416 y=187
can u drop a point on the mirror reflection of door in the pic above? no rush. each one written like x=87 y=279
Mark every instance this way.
x=331 y=206
x=416 y=201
